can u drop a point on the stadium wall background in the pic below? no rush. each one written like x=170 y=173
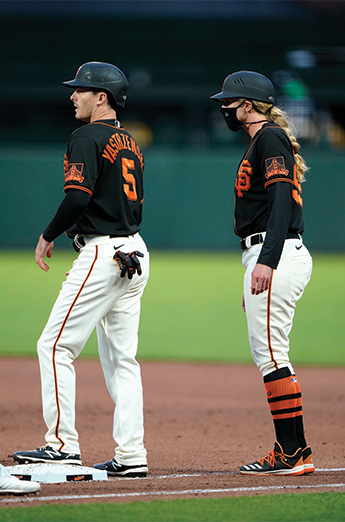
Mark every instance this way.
x=188 y=197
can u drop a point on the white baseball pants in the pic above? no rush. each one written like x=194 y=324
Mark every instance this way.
x=270 y=314
x=94 y=294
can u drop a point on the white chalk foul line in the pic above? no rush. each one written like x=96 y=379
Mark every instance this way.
x=330 y=469
x=178 y=475
x=202 y=474
x=167 y=493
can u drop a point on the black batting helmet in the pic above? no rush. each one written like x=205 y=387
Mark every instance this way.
x=246 y=84
x=102 y=76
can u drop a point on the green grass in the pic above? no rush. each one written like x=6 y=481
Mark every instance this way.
x=290 y=507
x=191 y=308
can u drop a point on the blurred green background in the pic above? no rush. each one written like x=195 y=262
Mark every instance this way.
x=191 y=308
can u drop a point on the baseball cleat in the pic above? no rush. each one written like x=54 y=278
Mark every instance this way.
x=308 y=463
x=114 y=469
x=47 y=455
x=276 y=463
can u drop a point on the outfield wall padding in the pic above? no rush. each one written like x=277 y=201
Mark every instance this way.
x=188 y=197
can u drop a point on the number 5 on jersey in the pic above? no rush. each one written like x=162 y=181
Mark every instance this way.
x=297 y=189
x=130 y=186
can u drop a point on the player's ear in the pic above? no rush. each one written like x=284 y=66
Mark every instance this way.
x=248 y=105
x=102 y=97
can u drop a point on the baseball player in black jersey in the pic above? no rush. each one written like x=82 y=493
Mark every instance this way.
x=268 y=219
x=102 y=211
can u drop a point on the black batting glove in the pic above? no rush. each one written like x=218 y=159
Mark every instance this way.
x=128 y=263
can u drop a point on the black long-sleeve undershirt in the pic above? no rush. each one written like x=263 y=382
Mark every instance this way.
x=69 y=211
x=279 y=201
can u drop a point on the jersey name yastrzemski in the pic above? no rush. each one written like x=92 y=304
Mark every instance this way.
x=106 y=162
x=268 y=193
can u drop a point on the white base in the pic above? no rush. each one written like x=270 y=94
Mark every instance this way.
x=52 y=473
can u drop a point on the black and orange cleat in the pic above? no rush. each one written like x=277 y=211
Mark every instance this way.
x=276 y=463
x=308 y=463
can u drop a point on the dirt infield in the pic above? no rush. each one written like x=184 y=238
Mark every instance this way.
x=201 y=423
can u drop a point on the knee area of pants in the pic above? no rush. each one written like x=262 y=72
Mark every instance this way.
x=39 y=347
x=44 y=348
x=267 y=368
x=42 y=352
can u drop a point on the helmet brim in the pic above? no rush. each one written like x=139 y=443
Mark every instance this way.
x=78 y=83
x=222 y=96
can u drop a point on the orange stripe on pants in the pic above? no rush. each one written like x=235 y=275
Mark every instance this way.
x=54 y=352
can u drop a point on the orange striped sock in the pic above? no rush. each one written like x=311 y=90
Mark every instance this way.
x=285 y=402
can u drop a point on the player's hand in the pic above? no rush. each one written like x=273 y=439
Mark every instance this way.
x=128 y=262
x=261 y=278
x=43 y=248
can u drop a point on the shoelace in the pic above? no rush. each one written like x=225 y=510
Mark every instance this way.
x=270 y=458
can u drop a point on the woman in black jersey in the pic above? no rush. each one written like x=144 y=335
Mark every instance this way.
x=268 y=219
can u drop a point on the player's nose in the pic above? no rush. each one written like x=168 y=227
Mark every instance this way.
x=73 y=96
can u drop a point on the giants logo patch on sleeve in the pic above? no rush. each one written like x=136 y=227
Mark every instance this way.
x=275 y=167
x=73 y=172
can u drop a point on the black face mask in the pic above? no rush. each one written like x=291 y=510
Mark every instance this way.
x=231 y=119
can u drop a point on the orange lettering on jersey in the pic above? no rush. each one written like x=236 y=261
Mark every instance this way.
x=106 y=155
x=275 y=167
x=118 y=142
x=129 y=187
x=242 y=182
x=112 y=142
x=112 y=152
x=126 y=140
x=297 y=189
x=73 y=172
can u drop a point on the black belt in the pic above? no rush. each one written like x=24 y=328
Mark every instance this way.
x=79 y=242
x=257 y=239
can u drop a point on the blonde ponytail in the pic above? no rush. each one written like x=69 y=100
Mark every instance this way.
x=279 y=117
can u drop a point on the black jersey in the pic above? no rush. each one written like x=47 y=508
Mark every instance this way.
x=105 y=161
x=268 y=193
